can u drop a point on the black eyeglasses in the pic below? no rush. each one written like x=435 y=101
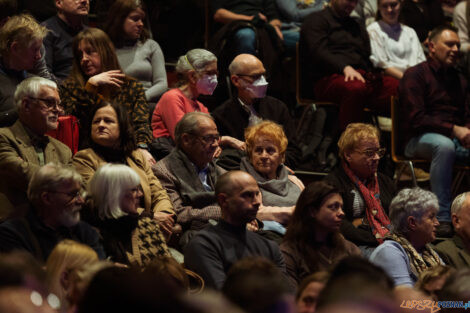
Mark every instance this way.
x=370 y=153
x=254 y=76
x=208 y=139
x=50 y=103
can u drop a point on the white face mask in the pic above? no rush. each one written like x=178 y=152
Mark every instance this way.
x=258 y=87
x=206 y=85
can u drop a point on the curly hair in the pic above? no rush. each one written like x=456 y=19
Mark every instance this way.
x=267 y=129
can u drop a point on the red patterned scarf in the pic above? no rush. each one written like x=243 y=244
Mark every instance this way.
x=376 y=216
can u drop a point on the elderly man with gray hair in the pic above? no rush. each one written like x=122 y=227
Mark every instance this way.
x=24 y=147
x=455 y=251
x=406 y=251
x=56 y=196
x=189 y=174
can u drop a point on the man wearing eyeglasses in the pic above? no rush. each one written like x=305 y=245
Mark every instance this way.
x=56 y=196
x=250 y=105
x=24 y=147
x=189 y=174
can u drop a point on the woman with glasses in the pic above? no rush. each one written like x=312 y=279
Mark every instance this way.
x=266 y=145
x=130 y=236
x=365 y=192
x=96 y=76
x=313 y=241
x=197 y=75
x=113 y=141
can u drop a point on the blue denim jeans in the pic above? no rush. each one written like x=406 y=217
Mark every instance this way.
x=441 y=150
x=245 y=41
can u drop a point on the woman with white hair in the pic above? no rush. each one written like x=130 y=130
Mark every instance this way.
x=197 y=75
x=406 y=252
x=129 y=235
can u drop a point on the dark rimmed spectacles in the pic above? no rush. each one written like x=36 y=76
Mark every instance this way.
x=50 y=103
x=208 y=139
x=73 y=194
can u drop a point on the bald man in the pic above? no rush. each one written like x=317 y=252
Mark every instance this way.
x=250 y=105
x=215 y=249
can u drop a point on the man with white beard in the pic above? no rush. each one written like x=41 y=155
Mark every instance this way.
x=56 y=196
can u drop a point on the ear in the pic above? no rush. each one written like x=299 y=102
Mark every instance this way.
x=186 y=139
x=431 y=46
x=455 y=220
x=222 y=199
x=46 y=198
x=412 y=222
x=347 y=155
x=26 y=104
x=14 y=46
x=58 y=4
x=235 y=80
x=192 y=76
x=65 y=280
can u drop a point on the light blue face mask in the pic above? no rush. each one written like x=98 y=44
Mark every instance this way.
x=207 y=84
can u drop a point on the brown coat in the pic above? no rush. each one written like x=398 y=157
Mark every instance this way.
x=155 y=197
x=18 y=162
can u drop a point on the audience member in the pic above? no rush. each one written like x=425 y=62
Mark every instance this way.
x=295 y=11
x=250 y=105
x=395 y=47
x=21 y=269
x=129 y=237
x=406 y=252
x=423 y=16
x=313 y=242
x=20 y=43
x=189 y=174
x=363 y=189
x=460 y=21
x=56 y=198
x=210 y=253
x=309 y=290
x=257 y=285
x=266 y=145
x=260 y=14
x=113 y=141
x=456 y=288
x=356 y=281
x=97 y=76
x=456 y=250
x=365 y=11
x=139 y=55
x=63 y=27
x=433 y=279
x=435 y=113
x=197 y=74
x=335 y=50
x=64 y=269
x=24 y=146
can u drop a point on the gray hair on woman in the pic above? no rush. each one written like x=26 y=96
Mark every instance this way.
x=31 y=87
x=109 y=185
x=49 y=178
x=410 y=202
x=195 y=59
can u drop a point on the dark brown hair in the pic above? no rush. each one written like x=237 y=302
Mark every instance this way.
x=103 y=45
x=126 y=132
x=117 y=15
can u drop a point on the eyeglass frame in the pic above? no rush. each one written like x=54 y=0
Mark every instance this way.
x=254 y=77
x=48 y=103
x=205 y=139
x=370 y=153
x=82 y=193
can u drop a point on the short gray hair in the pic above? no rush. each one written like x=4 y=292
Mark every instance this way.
x=109 y=185
x=31 y=87
x=410 y=202
x=189 y=124
x=195 y=59
x=458 y=202
x=49 y=178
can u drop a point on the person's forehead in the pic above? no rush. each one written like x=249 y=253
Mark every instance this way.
x=206 y=125
x=448 y=36
x=48 y=91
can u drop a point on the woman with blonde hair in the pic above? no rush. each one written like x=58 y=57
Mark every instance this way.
x=63 y=267
x=366 y=192
x=96 y=76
